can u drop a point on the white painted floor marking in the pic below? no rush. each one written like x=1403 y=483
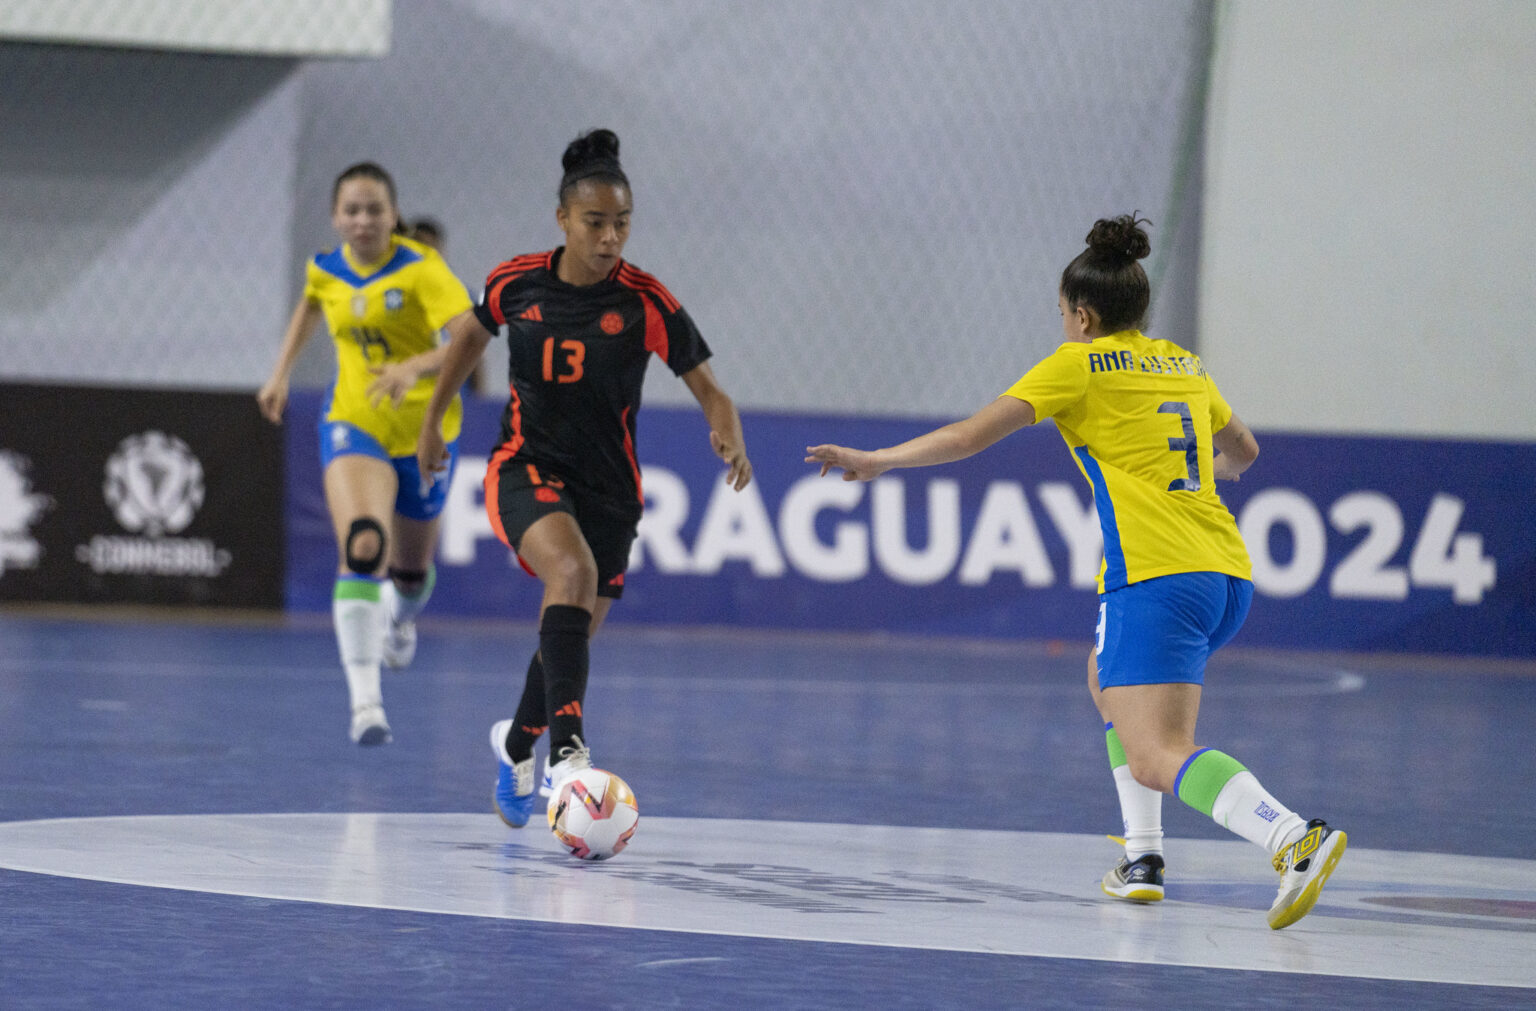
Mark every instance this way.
x=1387 y=915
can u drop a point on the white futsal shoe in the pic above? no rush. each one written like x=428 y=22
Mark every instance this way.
x=573 y=758
x=1304 y=867
x=369 y=726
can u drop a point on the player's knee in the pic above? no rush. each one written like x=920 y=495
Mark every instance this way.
x=364 y=547
x=571 y=576
x=1147 y=774
x=1148 y=767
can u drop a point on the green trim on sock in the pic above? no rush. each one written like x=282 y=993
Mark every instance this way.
x=1203 y=777
x=1116 y=751
x=356 y=589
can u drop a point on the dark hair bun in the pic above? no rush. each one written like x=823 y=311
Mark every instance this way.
x=1122 y=236
x=594 y=145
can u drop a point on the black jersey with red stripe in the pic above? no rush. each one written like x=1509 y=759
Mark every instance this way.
x=578 y=356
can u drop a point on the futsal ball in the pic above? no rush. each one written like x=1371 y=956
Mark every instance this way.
x=593 y=814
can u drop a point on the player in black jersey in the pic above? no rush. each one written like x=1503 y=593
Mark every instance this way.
x=563 y=487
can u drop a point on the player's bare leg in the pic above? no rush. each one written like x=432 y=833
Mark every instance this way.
x=411 y=579
x=1156 y=724
x=1138 y=875
x=360 y=493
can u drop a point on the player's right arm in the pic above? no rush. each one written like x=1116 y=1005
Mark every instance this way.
x=272 y=398
x=955 y=441
x=467 y=339
x=1237 y=449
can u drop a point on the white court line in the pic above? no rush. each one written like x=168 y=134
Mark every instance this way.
x=1005 y=893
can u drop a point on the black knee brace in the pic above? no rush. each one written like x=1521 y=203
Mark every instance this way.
x=410 y=581
x=364 y=565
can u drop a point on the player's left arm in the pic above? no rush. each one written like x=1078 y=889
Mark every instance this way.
x=955 y=441
x=725 y=436
x=395 y=379
x=467 y=340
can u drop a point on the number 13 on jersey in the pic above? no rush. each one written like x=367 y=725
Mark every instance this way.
x=571 y=355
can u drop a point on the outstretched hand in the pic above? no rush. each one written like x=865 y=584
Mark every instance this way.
x=856 y=464
x=735 y=456
x=393 y=380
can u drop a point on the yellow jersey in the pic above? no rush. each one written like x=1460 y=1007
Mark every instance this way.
x=385 y=312
x=1137 y=415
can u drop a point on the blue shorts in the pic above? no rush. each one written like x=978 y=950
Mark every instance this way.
x=1162 y=630
x=413 y=501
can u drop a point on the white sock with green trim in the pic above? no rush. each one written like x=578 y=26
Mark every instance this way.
x=1141 y=810
x=358 y=616
x=1214 y=783
x=1141 y=807
x=1245 y=807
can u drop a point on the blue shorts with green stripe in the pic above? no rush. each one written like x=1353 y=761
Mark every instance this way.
x=415 y=499
x=1163 y=630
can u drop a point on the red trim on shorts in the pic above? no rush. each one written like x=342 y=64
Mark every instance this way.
x=515 y=422
x=493 y=494
x=504 y=452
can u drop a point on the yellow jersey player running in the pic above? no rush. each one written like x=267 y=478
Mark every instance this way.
x=1144 y=421
x=384 y=298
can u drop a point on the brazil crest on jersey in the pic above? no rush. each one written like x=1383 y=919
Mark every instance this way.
x=1137 y=415
x=577 y=356
x=385 y=312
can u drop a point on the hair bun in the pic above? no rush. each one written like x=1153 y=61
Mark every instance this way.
x=594 y=145
x=1122 y=236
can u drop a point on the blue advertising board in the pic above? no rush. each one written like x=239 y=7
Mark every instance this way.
x=1358 y=543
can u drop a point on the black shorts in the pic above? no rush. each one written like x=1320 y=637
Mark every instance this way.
x=518 y=493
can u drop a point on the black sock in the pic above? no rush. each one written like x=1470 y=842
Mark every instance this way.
x=563 y=653
x=530 y=723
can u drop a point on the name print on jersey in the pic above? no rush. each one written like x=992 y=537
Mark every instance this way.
x=1126 y=361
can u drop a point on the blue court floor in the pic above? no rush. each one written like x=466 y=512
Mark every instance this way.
x=826 y=821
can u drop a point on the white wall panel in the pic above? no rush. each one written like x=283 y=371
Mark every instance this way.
x=1369 y=208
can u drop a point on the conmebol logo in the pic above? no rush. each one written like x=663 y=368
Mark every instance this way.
x=154 y=484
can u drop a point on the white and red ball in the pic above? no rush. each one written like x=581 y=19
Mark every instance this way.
x=593 y=814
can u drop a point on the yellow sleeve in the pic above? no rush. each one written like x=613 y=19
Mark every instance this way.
x=1056 y=383
x=443 y=296
x=313 y=278
x=1221 y=413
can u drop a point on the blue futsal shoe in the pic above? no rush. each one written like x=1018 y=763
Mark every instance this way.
x=513 y=796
